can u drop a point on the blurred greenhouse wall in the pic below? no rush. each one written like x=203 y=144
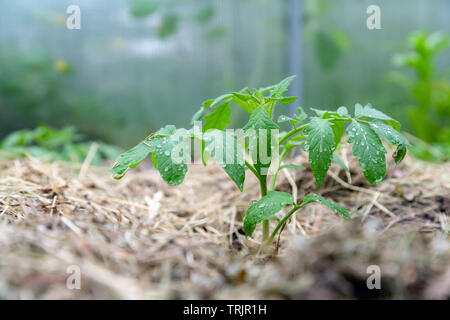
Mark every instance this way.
x=136 y=65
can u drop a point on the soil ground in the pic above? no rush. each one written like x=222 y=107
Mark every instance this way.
x=140 y=239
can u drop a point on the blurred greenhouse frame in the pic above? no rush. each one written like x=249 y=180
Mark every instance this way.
x=137 y=64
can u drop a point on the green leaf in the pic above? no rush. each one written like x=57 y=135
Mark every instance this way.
x=219 y=100
x=260 y=119
x=387 y=133
x=369 y=112
x=198 y=115
x=134 y=156
x=221 y=146
x=296 y=119
x=171 y=172
x=283 y=100
x=160 y=145
x=293 y=144
x=399 y=153
x=279 y=89
x=312 y=197
x=130 y=159
x=265 y=208
x=219 y=118
x=206 y=104
x=245 y=101
x=301 y=116
x=338 y=130
x=165 y=131
x=292 y=166
x=343 y=112
x=339 y=161
x=337 y=118
x=369 y=150
x=283 y=118
x=320 y=144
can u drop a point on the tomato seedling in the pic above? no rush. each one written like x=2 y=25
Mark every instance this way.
x=260 y=148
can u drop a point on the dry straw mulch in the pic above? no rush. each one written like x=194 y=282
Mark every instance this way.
x=141 y=239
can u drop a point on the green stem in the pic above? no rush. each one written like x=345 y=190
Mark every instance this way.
x=274 y=177
x=265 y=226
x=263 y=187
x=252 y=169
x=292 y=132
x=262 y=181
x=282 y=221
x=266 y=231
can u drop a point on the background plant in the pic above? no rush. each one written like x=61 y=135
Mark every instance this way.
x=430 y=93
x=51 y=144
x=320 y=135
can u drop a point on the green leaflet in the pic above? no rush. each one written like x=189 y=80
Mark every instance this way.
x=320 y=143
x=283 y=100
x=161 y=145
x=292 y=166
x=399 y=153
x=369 y=150
x=219 y=118
x=296 y=119
x=283 y=118
x=130 y=159
x=198 y=115
x=338 y=130
x=171 y=172
x=279 y=89
x=301 y=116
x=337 y=118
x=260 y=121
x=312 y=197
x=219 y=100
x=265 y=208
x=369 y=112
x=343 y=112
x=245 y=101
x=135 y=155
x=286 y=100
x=387 y=133
x=224 y=148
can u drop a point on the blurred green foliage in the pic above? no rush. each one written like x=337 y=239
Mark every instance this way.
x=51 y=144
x=36 y=88
x=204 y=14
x=170 y=18
x=168 y=25
x=31 y=84
x=329 y=44
x=429 y=113
x=142 y=8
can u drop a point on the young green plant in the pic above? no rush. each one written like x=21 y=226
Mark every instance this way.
x=319 y=135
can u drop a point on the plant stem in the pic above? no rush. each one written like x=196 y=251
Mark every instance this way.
x=266 y=231
x=265 y=225
x=263 y=187
x=292 y=132
x=282 y=221
x=262 y=180
x=274 y=177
